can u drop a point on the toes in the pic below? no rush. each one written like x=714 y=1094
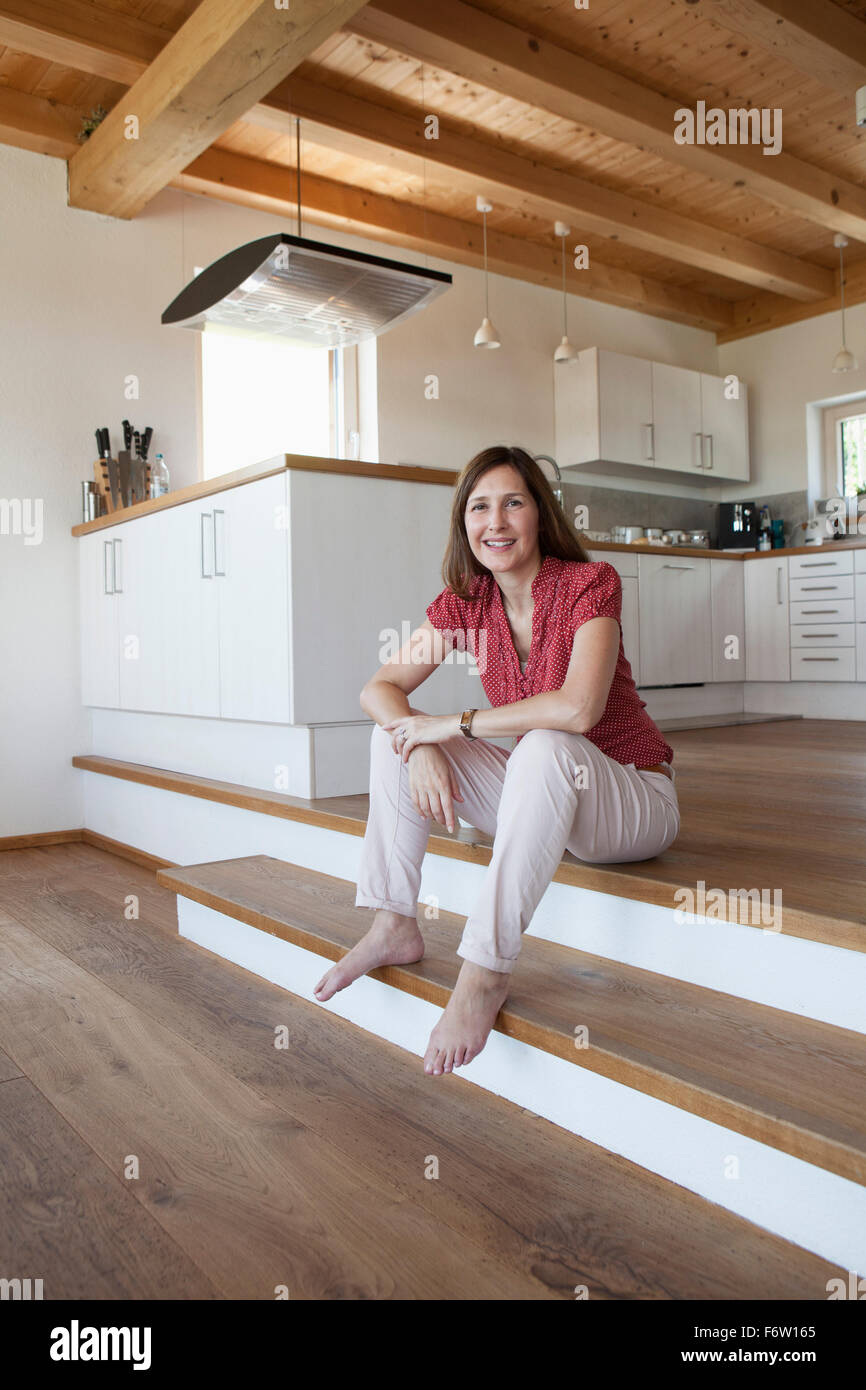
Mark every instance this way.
x=459 y=1055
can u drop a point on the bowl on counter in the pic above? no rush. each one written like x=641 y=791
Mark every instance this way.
x=674 y=538
x=699 y=539
x=632 y=534
x=654 y=534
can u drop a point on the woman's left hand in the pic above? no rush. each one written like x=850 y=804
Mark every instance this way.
x=421 y=728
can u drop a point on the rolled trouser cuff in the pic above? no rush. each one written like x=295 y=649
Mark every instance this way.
x=477 y=956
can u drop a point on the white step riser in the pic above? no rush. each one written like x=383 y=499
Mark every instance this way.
x=804 y=1204
x=784 y=972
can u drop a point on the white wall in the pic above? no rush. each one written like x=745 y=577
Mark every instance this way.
x=504 y=395
x=786 y=369
x=81 y=297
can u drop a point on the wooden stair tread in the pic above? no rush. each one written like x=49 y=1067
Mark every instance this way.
x=829 y=909
x=794 y=1083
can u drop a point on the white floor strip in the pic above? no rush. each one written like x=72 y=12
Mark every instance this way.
x=806 y=1205
x=784 y=972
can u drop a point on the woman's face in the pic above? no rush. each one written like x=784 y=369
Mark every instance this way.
x=501 y=508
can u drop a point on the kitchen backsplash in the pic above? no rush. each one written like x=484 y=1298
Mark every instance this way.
x=618 y=507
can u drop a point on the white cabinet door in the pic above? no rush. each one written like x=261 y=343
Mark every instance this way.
x=251 y=574
x=677 y=418
x=861 y=651
x=625 y=408
x=768 y=643
x=191 y=619
x=142 y=605
x=725 y=427
x=675 y=630
x=631 y=626
x=98 y=618
x=728 y=620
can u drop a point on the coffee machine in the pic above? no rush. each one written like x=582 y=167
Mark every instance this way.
x=738 y=526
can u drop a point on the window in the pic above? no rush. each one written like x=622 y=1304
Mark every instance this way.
x=261 y=397
x=853 y=451
x=845 y=448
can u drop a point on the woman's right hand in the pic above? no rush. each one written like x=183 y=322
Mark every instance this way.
x=433 y=784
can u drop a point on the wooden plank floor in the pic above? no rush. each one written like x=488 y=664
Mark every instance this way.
x=304 y=1165
x=772 y=805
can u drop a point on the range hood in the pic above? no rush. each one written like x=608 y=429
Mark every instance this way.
x=305 y=291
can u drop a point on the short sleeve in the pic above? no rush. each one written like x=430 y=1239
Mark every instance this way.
x=601 y=598
x=446 y=611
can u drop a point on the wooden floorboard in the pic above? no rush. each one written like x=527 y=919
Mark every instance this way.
x=774 y=806
x=70 y=1219
x=551 y=1210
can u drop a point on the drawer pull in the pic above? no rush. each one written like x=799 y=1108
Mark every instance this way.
x=819 y=612
x=815 y=564
x=677 y=567
x=819 y=634
x=818 y=588
x=819 y=658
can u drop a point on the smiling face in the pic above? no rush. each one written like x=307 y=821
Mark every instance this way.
x=501 y=509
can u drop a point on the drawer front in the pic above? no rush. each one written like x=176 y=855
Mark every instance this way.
x=625 y=565
x=801 y=566
x=839 y=610
x=822 y=586
x=823 y=635
x=836 y=664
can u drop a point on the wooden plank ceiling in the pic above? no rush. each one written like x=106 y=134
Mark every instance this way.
x=549 y=110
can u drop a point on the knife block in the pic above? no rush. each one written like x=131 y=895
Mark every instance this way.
x=103 y=487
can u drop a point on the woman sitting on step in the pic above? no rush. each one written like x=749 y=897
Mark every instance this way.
x=589 y=772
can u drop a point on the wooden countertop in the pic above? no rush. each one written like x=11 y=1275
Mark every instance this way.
x=642 y=548
x=407 y=473
x=400 y=472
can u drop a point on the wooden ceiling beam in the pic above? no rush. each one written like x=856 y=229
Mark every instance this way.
x=105 y=43
x=504 y=58
x=226 y=56
x=385 y=135
x=273 y=188
x=763 y=312
x=33 y=123
x=816 y=37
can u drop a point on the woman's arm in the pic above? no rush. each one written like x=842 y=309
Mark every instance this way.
x=384 y=697
x=576 y=707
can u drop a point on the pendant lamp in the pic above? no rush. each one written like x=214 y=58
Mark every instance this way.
x=845 y=360
x=486 y=337
x=565 y=352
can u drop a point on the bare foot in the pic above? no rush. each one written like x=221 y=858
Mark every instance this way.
x=391 y=940
x=465 y=1025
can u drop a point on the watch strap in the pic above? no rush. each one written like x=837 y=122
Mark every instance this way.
x=466 y=723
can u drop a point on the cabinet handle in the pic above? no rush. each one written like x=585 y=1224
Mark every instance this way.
x=710 y=438
x=106 y=566
x=779 y=598
x=700 y=449
x=115 y=567
x=650 y=443
x=205 y=516
x=677 y=567
x=219 y=572
x=819 y=634
x=816 y=564
x=819 y=612
x=819 y=588
x=819 y=658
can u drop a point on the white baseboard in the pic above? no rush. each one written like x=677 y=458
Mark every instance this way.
x=807 y=1205
x=784 y=972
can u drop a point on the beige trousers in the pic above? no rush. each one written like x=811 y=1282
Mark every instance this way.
x=554 y=791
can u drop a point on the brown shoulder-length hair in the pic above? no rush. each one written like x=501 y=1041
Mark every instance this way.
x=555 y=536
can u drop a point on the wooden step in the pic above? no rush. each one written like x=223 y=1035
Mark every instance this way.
x=792 y=1083
x=674 y=723
x=729 y=834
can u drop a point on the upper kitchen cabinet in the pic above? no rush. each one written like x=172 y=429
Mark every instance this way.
x=629 y=414
x=724 y=428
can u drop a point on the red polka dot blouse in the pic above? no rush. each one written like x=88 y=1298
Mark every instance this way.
x=567 y=593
